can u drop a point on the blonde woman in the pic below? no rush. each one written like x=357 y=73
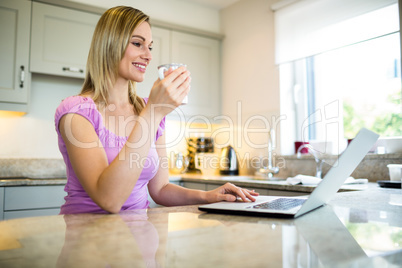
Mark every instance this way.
x=111 y=140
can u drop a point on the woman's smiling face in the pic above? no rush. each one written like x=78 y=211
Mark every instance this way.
x=137 y=55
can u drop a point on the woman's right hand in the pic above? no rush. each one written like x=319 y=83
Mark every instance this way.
x=169 y=92
x=230 y=192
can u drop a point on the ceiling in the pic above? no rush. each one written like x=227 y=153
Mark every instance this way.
x=215 y=4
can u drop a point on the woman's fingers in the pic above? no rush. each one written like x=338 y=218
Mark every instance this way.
x=244 y=194
x=176 y=77
x=177 y=83
x=181 y=82
x=250 y=194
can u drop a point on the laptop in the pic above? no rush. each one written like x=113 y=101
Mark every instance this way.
x=292 y=207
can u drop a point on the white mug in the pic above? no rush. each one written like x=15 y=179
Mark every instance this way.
x=163 y=68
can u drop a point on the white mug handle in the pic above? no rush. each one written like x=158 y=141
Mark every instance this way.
x=161 y=72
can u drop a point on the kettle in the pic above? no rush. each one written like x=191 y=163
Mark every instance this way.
x=228 y=162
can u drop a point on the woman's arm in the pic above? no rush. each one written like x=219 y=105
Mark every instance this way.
x=167 y=194
x=109 y=186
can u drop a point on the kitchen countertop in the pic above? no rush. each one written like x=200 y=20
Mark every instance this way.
x=25 y=181
x=356 y=229
x=242 y=181
x=279 y=184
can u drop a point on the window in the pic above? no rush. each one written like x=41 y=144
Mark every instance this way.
x=330 y=94
x=343 y=90
x=365 y=78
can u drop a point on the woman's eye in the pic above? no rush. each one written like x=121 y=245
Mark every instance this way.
x=150 y=48
x=136 y=44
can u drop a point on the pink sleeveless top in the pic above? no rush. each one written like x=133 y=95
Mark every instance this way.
x=77 y=200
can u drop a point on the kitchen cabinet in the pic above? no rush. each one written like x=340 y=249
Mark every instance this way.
x=1 y=203
x=60 y=40
x=195 y=185
x=37 y=200
x=211 y=186
x=202 y=57
x=15 y=79
x=29 y=201
x=261 y=191
x=56 y=41
x=284 y=193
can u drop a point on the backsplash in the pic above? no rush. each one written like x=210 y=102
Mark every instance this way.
x=32 y=168
x=373 y=167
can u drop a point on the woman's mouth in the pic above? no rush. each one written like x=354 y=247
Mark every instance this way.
x=140 y=66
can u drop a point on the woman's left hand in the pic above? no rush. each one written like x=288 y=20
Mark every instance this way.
x=230 y=192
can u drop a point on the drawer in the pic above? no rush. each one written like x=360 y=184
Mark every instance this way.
x=194 y=185
x=8 y=215
x=33 y=197
x=285 y=193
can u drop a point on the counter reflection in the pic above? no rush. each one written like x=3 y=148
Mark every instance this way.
x=327 y=237
x=377 y=232
x=125 y=240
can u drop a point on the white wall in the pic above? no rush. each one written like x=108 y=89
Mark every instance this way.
x=33 y=135
x=249 y=75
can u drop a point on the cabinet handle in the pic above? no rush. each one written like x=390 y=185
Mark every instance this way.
x=22 y=76
x=73 y=69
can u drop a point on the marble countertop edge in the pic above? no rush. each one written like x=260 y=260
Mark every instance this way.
x=279 y=184
x=24 y=181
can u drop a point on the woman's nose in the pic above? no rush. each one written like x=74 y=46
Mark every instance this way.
x=148 y=54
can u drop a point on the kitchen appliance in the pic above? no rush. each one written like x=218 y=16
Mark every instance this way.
x=228 y=162
x=197 y=146
x=177 y=164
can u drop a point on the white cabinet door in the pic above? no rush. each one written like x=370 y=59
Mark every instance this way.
x=60 y=40
x=160 y=55
x=8 y=215
x=15 y=16
x=1 y=203
x=195 y=185
x=30 y=201
x=202 y=56
x=33 y=197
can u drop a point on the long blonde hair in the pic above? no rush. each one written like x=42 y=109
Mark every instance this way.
x=109 y=42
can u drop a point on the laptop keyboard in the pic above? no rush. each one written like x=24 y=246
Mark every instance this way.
x=280 y=204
